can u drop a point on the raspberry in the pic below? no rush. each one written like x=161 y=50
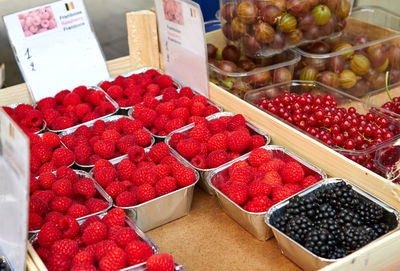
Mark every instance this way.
x=217 y=142
x=35 y=221
x=83 y=257
x=238 y=141
x=46 y=195
x=188 y=148
x=61 y=123
x=150 y=101
x=197 y=109
x=48 y=234
x=210 y=110
x=145 y=192
x=259 y=188
x=37 y=205
x=258 y=204
x=44 y=253
x=217 y=158
x=94 y=233
x=308 y=181
x=85 y=187
x=199 y=161
x=185 y=176
x=60 y=204
x=80 y=90
x=242 y=175
x=280 y=193
x=257 y=141
x=138 y=252
x=34 y=118
x=112 y=135
x=114 y=217
x=68 y=141
x=35 y=164
x=200 y=133
x=33 y=184
x=158 y=152
x=238 y=193
x=125 y=236
x=51 y=139
x=292 y=172
x=132 y=126
x=45 y=103
x=144 y=175
x=153 y=89
x=102 y=248
x=164 y=81
x=274 y=164
x=258 y=157
x=62 y=188
x=22 y=109
x=162 y=170
x=66 y=247
x=115 y=259
x=98 y=128
x=104 y=148
x=83 y=153
x=82 y=109
x=42 y=151
x=77 y=210
x=115 y=92
x=72 y=99
x=160 y=262
x=174 y=124
x=236 y=122
x=181 y=112
x=58 y=262
x=53 y=217
x=125 y=170
x=63 y=157
x=114 y=189
x=147 y=116
x=165 y=186
x=183 y=102
x=47 y=167
x=293 y=187
x=46 y=180
x=273 y=178
x=142 y=137
x=94 y=115
x=126 y=199
x=105 y=176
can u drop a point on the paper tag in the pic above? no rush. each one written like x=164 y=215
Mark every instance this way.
x=183 y=43
x=14 y=192
x=56 y=48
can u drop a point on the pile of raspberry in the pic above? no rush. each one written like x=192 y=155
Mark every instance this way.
x=53 y=195
x=47 y=154
x=106 y=139
x=143 y=176
x=28 y=118
x=67 y=109
x=107 y=243
x=210 y=144
x=129 y=91
x=264 y=179
x=173 y=111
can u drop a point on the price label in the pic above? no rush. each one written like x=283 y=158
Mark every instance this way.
x=14 y=192
x=183 y=43
x=55 y=47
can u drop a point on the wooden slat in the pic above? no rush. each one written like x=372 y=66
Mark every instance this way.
x=35 y=258
x=30 y=265
x=143 y=39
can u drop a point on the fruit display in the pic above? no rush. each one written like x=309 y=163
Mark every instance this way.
x=330 y=117
x=330 y=220
x=106 y=138
x=265 y=177
x=355 y=71
x=142 y=176
x=130 y=89
x=47 y=153
x=212 y=142
x=238 y=74
x=109 y=241
x=27 y=117
x=69 y=108
x=173 y=110
x=263 y=28
x=64 y=192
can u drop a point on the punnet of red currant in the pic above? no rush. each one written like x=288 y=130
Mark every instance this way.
x=342 y=122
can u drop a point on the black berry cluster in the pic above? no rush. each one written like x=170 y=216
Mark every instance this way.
x=333 y=221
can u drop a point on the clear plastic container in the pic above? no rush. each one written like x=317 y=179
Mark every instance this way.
x=387 y=161
x=266 y=27
x=302 y=256
x=362 y=154
x=356 y=61
x=254 y=222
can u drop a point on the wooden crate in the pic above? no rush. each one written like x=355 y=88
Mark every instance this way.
x=253 y=254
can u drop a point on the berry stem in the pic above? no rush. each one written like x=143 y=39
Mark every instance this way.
x=387 y=86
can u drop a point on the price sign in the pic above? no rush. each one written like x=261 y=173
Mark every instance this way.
x=14 y=192
x=183 y=43
x=55 y=47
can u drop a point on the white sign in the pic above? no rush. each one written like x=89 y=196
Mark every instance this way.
x=14 y=192
x=56 y=48
x=183 y=43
